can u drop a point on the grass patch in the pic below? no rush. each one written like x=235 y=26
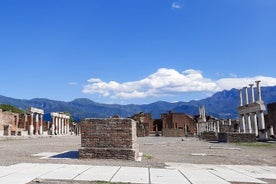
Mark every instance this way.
x=255 y=144
x=147 y=156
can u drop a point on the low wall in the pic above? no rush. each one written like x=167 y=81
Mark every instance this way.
x=209 y=136
x=167 y=132
x=236 y=137
x=111 y=138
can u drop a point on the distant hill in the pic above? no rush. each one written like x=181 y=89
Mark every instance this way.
x=222 y=105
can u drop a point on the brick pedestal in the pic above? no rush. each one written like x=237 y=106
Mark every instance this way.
x=112 y=138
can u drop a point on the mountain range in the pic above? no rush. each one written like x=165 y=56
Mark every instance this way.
x=222 y=104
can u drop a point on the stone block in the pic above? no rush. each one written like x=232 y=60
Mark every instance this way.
x=110 y=138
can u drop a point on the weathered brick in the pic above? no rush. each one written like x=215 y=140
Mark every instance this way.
x=108 y=139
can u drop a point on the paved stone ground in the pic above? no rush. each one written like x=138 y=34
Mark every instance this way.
x=158 y=152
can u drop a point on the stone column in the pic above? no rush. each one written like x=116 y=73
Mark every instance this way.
x=31 y=127
x=59 y=125
x=36 y=124
x=248 y=123
x=259 y=90
x=62 y=126
x=252 y=93
x=218 y=126
x=261 y=120
x=68 y=126
x=41 y=125
x=56 y=123
x=53 y=124
x=242 y=123
x=255 y=125
x=271 y=131
x=246 y=95
x=241 y=102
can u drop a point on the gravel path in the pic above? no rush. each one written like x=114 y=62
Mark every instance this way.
x=156 y=150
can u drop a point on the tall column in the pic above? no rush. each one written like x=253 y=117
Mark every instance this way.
x=56 y=123
x=68 y=126
x=53 y=124
x=242 y=123
x=248 y=123
x=218 y=126
x=261 y=120
x=59 y=125
x=259 y=90
x=31 y=127
x=241 y=102
x=36 y=124
x=252 y=93
x=246 y=95
x=41 y=125
x=255 y=125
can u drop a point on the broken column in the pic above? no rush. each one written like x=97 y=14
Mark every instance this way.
x=111 y=138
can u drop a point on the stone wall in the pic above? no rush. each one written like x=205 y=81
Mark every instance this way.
x=142 y=129
x=271 y=113
x=209 y=136
x=112 y=138
x=168 y=132
x=236 y=137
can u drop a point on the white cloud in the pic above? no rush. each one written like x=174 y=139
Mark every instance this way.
x=229 y=83
x=177 y=5
x=168 y=82
x=161 y=83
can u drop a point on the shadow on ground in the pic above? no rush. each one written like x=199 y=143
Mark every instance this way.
x=67 y=155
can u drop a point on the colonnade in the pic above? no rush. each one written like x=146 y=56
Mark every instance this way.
x=251 y=113
x=60 y=123
x=36 y=114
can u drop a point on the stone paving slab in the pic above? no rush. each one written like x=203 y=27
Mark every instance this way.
x=98 y=173
x=265 y=172
x=174 y=173
x=132 y=175
x=202 y=176
x=233 y=176
x=67 y=172
x=165 y=176
x=26 y=172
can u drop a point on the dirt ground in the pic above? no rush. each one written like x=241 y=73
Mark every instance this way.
x=156 y=151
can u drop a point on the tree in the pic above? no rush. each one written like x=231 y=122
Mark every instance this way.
x=8 y=107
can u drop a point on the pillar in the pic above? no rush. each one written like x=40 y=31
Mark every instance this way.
x=248 y=123
x=56 y=123
x=53 y=124
x=259 y=90
x=59 y=125
x=271 y=131
x=36 y=123
x=242 y=123
x=31 y=127
x=252 y=93
x=241 y=102
x=218 y=126
x=41 y=125
x=246 y=95
x=255 y=125
x=68 y=126
x=261 y=120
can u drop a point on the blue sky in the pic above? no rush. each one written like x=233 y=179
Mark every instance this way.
x=138 y=51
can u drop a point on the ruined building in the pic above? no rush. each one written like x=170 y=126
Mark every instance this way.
x=178 y=125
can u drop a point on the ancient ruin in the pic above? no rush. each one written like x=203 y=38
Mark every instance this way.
x=36 y=121
x=178 y=125
x=252 y=113
x=111 y=138
x=60 y=123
